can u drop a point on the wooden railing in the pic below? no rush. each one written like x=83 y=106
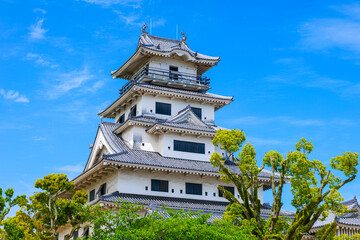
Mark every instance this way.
x=166 y=75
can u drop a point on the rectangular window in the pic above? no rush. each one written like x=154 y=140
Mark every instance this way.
x=163 y=108
x=192 y=147
x=121 y=119
x=76 y=235
x=230 y=189
x=159 y=185
x=133 y=111
x=173 y=72
x=197 y=111
x=102 y=190
x=92 y=195
x=193 y=188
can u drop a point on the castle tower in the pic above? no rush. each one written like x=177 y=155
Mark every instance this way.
x=157 y=149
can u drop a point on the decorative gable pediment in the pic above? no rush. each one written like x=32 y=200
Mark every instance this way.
x=186 y=116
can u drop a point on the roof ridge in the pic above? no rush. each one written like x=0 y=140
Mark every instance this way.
x=165 y=38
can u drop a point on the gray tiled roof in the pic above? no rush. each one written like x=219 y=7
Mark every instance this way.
x=126 y=155
x=156 y=202
x=185 y=119
x=161 y=44
x=351 y=218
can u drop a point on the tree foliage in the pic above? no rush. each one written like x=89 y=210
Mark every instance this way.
x=45 y=212
x=127 y=222
x=8 y=201
x=315 y=188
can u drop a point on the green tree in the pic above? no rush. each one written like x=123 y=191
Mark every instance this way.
x=46 y=212
x=315 y=188
x=7 y=202
x=127 y=223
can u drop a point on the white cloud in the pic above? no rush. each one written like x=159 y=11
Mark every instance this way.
x=37 y=31
x=78 y=168
x=297 y=73
x=38 y=59
x=14 y=96
x=66 y=82
x=325 y=33
x=107 y=3
x=253 y=120
x=38 y=138
x=40 y=10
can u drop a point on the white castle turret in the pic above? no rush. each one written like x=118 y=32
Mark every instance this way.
x=156 y=151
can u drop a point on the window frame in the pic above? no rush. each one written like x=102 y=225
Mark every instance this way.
x=121 y=118
x=158 y=107
x=160 y=185
x=190 y=188
x=197 y=111
x=189 y=147
x=92 y=195
x=133 y=111
x=229 y=188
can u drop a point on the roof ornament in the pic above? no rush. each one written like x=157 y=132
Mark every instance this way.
x=183 y=39
x=143 y=30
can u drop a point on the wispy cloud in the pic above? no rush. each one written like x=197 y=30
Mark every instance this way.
x=342 y=32
x=40 y=10
x=40 y=60
x=107 y=3
x=39 y=138
x=65 y=82
x=37 y=31
x=297 y=73
x=254 y=120
x=14 y=96
x=71 y=168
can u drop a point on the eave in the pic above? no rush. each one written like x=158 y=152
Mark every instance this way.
x=128 y=123
x=126 y=99
x=143 y=53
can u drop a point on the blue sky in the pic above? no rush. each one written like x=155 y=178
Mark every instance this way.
x=292 y=67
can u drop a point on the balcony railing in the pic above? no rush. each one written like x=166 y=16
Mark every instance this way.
x=164 y=77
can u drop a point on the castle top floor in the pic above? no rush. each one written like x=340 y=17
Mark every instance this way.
x=167 y=62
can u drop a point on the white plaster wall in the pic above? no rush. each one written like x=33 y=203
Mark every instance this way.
x=127 y=109
x=164 y=63
x=136 y=182
x=111 y=181
x=128 y=136
x=148 y=104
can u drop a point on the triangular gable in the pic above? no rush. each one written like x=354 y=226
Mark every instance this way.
x=101 y=146
x=187 y=116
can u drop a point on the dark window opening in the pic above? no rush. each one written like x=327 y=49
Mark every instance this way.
x=230 y=189
x=92 y=195
x=163 y=108
x=205 y=193
x=194 y=188
x=159 y=185
x=172 y=190
x=121 y=119
x=192 y=147
x=173 y=72
x=133 y=111
x=197 y=111
x=214 y=194
x=76 y=235
x=86 y=233
x=102 y=190
x=146 y=188
x=181 y=191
